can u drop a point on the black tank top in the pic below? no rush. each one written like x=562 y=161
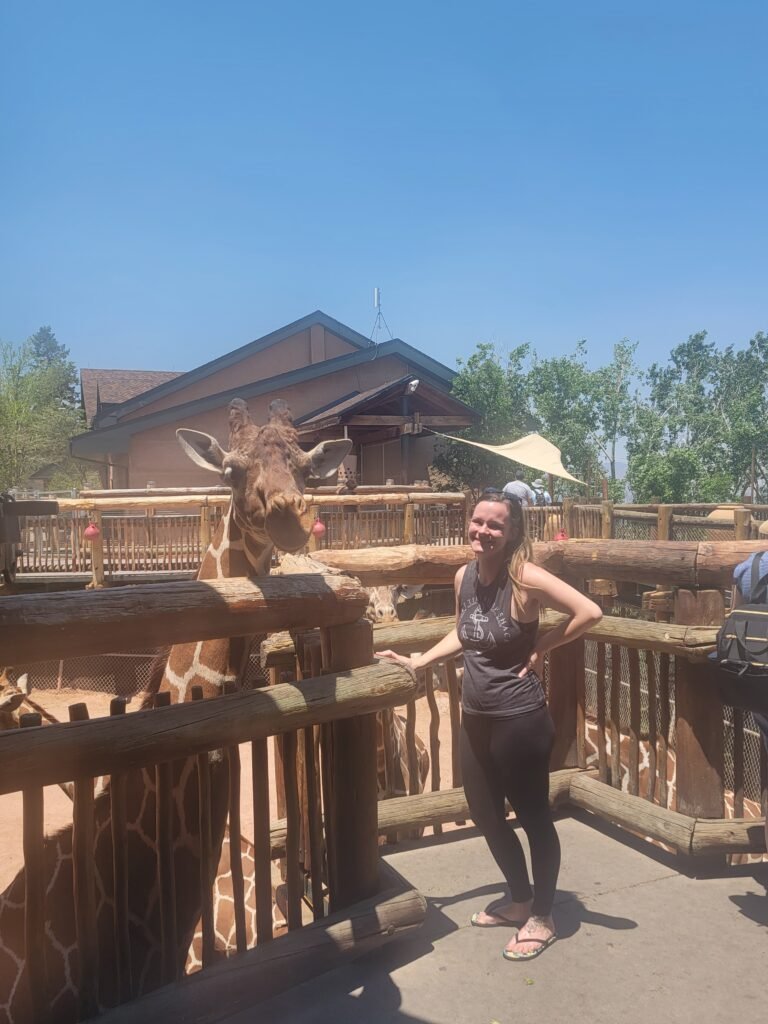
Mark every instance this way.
x=496 y=649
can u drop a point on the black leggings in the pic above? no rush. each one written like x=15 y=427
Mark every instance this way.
x=510 y=757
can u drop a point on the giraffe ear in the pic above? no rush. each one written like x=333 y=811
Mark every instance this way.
x=326 y=458
x=204 y=450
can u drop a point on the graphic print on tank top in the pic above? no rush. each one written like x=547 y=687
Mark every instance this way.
x=496 y=649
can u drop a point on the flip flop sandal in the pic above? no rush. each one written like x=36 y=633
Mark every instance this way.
x=508 y=954
x=503 y=922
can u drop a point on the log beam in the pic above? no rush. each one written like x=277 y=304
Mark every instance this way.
x=657 y=563
x=239 y=984
x=40 y=627
x=691 y=642
x=59 y=753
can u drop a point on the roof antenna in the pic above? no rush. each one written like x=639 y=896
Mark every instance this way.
x=379 y=321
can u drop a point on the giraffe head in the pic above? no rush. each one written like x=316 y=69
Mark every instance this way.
x=11 y=698
x=267 y=471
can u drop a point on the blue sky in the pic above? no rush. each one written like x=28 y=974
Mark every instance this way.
x=179 y=178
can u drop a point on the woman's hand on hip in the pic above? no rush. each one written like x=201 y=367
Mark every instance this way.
x=533 y=664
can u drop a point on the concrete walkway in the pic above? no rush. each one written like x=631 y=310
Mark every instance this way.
x=638 y=943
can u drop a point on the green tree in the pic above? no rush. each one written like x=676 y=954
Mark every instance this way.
x=496 y=386
x=612 y=387
x=50 y=353
x=37 y=417
x=562 y=392
x=691 y=437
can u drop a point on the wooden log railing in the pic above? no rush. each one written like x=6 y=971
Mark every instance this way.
x=648 y=718
x=677 y=563
x=343 y=700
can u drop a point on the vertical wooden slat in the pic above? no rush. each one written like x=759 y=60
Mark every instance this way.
x=454 y=710
x=613 y=668
x=315 y=826
x=84 y=883
x=34 y=890
x=293 y=825
x=169 y=966
x=120 y=873
x=634 y=721
x=602 y=757
x=235 y=832
x=738 y=763
x=652 y=676
x=262 y=850
x=386 y=720
x=410 y=746
x=314 y=807
x=434 y=736
x=664 y=724
x=578 y=652
x=204 y=817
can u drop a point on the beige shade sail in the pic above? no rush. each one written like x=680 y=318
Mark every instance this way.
x=533 y=450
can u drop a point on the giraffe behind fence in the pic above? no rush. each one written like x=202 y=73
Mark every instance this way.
x=267 y=471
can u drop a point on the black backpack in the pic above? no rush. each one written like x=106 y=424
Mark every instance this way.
x=741 y=657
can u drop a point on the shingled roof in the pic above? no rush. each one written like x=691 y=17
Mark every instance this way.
x=101 y=388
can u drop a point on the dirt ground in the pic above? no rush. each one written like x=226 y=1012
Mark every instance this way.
x=58 y=807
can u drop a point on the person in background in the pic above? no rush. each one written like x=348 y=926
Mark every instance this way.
x=741 y=589
x=541 y=495
x=519 y=489
x=507 y=732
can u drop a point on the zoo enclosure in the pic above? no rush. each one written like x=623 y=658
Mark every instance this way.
x=338 y=834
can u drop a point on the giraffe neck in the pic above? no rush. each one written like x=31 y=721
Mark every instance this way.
x=212 y=663
x=234 y=553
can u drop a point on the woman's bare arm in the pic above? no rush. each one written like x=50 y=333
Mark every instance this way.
x=446 y=648
x=551 y=592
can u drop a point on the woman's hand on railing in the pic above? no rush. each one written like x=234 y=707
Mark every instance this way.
x=399 y=659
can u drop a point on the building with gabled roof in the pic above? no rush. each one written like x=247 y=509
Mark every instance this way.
x=386 y=397
x=103 y=390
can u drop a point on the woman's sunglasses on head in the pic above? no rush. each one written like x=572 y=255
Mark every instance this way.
x=494 y=492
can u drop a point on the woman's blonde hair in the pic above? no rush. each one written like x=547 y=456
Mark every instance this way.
x=520 y=549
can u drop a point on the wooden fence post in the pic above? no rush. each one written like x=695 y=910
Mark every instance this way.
x=569 y=516
x=664 y=522
x=408 y=523
x=607 y=520
x=699 y=713
x=205 y=529
x=97 y=553
x=742 y=524
x=566 y=704
x=351 y=809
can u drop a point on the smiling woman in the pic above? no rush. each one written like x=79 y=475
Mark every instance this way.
x=507 y=732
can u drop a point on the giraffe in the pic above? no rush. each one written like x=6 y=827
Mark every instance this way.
x=12 y=696
x=266 y=471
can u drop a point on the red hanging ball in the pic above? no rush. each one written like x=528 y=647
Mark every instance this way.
x=318 y=528
x=91 y=531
